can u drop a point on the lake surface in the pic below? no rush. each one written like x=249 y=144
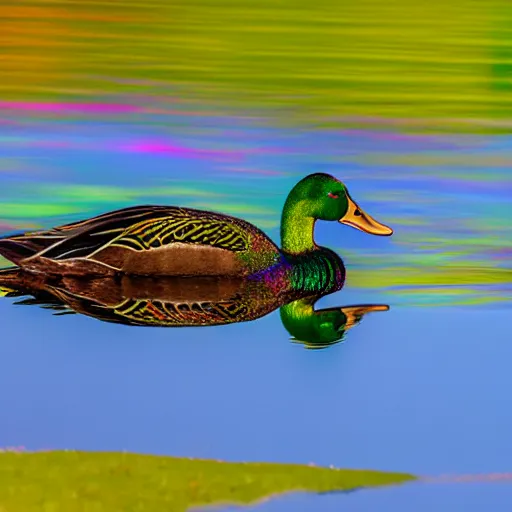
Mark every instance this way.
x=421 y=388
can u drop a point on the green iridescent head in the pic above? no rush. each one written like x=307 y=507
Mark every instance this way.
x=321 y=197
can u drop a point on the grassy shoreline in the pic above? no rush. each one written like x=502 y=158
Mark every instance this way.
x=105 y=481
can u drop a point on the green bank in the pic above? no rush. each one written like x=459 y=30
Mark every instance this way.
x=76 y=481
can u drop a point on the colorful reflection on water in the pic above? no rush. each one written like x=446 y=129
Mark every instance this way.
x=447 y=197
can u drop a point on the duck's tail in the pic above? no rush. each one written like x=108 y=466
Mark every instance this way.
x=18 y=247
x=14 y=250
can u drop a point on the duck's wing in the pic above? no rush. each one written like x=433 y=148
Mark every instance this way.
x=138 y=228
x=25 y=245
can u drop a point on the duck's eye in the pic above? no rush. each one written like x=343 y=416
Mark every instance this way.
x=333 y=195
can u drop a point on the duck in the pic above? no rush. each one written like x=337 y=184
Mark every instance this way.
x=152 y=240
x=170 y=301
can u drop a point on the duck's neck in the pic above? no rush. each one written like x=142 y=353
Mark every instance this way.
x=318 y=271
x=296 y=229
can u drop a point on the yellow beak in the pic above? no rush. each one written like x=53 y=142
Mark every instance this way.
x=358 y=219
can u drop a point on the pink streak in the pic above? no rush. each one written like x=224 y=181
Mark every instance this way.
x=164 y=148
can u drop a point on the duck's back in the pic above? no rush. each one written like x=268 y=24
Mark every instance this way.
x=147 y=240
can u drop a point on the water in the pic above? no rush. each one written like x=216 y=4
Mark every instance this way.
x=447 y=197
x=475 y=497
x=413 y=121
x=422 y=387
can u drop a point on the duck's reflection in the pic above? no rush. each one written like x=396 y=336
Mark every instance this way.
x=180 y=302
x=325 y=327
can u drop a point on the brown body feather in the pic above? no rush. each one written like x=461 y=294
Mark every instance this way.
x=146 y=240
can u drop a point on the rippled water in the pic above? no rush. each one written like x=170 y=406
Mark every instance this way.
x=447 y=197
x=225 y=107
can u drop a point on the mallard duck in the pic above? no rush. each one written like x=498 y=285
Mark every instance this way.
x=168 y=240
x=186 y=301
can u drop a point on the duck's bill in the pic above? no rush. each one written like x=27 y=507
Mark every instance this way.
x=358 y=219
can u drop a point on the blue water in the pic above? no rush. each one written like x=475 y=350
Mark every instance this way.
x=422 y=388
x=424 y=391
x=420 y=497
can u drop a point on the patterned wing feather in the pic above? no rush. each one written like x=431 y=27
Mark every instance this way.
x=180 y=226
x=139 y=228
x=76 y=239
